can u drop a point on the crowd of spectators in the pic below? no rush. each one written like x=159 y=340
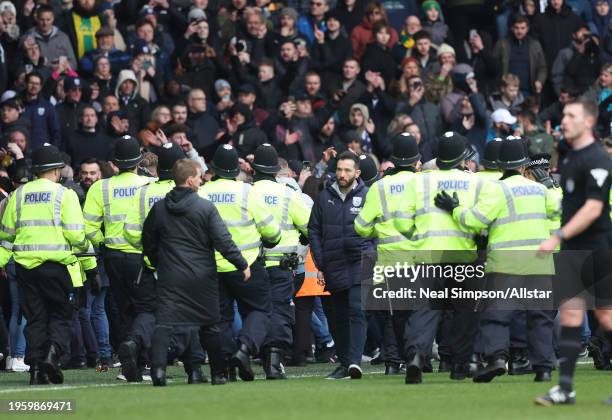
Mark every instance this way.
x=312 y=78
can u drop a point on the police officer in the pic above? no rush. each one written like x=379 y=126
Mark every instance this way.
x=515 y=211
x=489 y=160
x=537 y=169
x=251 y=225
x=43 y=226
x=377 y=219
x=369 y=172
x=438 y=239
x=107 y=205
x=292 y=215
x=151 y=193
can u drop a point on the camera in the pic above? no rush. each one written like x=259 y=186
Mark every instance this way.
x=146 y=64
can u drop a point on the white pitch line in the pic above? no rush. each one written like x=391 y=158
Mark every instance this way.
x=69 y=387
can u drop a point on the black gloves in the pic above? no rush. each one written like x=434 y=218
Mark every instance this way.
x=303 y=239
x=446 y=202
x=94 y=280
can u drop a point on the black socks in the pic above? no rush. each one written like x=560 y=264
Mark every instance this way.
x=569 y=349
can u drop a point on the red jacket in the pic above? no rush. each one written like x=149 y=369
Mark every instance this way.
x=362 y=35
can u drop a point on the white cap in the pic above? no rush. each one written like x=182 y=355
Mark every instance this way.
x=502 y=115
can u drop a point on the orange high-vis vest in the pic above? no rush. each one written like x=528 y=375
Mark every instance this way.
x=311 y=286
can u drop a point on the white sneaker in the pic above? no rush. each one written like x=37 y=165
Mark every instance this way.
x=18 y=365
x=121 y=377
x=8 y=363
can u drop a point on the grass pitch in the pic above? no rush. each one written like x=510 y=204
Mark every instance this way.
x=306 y=395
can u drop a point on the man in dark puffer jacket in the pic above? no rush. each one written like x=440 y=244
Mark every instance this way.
x=337 y=249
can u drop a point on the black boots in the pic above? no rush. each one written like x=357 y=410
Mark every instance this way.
x=519 y=363
x=493 y=369
x=128 y=356
x=272 y=364
x=50 y=365
x=414 y=369
x=394 y=368
x=158 y=376
x=241 y=360
x=196 y=376
x=542 y=376
x=460 y=371
x=37 y=376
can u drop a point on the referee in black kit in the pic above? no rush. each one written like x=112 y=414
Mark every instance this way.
x=585 y=238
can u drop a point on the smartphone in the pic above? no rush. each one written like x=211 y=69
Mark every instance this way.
x=473 y=33
x=305 y=165
x=63 y=61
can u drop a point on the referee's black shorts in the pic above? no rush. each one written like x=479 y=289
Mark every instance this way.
x=584 y=270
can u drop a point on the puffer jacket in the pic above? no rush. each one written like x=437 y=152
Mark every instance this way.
x=336 y=248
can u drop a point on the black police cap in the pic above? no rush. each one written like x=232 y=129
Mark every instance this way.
x=127 y=154
x=46 y=158
x=225 y=162
x=453 y=149
x=167 y=156
x=491 y=153
x=369 y=171
x=405 y=150
x=266 y=160
x=512 y=154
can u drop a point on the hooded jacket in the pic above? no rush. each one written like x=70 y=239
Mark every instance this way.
x=187 y=285
x=135 y=106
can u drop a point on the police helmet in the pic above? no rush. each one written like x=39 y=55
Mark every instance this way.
x=405 y=150
x=369 y=171
x=512 y=154
x=453 y=149
x=46 y=158
x=167 y=156
x=491 y=153
x=127 y=154
x=266 y=160
x=225 y=162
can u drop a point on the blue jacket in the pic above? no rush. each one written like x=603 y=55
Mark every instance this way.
x=44 y=124
x=335 y=246
x=119 y=60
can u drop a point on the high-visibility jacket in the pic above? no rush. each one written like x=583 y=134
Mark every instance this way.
x=489 y=175
x=311 y=286
x=383 y=212
x=555 y=195
x=289 y=211
x=433 y=229
x=516 y=211
x=43 y=222
x=146 y=197
x=245 y=216
x=109 y=201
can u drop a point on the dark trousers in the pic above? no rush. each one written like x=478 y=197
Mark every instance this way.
x=302 y=332
x=390 y=351
x=495 y=330
x=187 y=343
x=84 y=346
x=351 y=325
x=282 y=316
x=518 y=330
x=133 y=289
x=421 y=327
x=254 y=305
x=47 y=297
